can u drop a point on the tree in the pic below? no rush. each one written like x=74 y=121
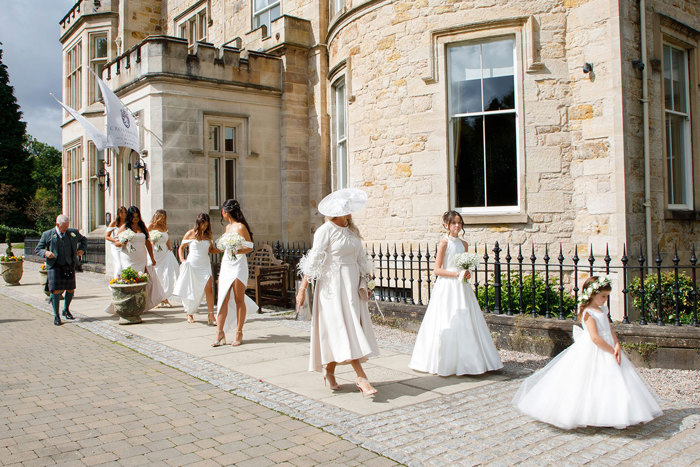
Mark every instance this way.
x=46 y=174
x=16 y=184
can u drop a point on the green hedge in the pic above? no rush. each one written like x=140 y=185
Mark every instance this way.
x=668 y=299
x=541 y=294
x=16 y=234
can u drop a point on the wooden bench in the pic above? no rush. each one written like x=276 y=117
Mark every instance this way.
x=267 y=277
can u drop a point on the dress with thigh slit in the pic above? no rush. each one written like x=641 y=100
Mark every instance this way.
x=194 y=274
x=233 y=267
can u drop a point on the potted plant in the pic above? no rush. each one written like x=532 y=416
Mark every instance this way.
x=44 y=278
x=129 y=295
x=11 y=268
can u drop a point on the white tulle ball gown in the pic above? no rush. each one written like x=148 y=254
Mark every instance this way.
x=194 y=274
x=453 y=338
x=166 y=267
x=233 y=269
x=584 y=386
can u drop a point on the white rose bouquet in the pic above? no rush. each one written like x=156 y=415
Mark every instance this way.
x=156 y=237
x=466 y=261
x=230 y=242
x=125 y=239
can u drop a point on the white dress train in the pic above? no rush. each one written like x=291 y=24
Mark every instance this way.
x=136 y=258
x=584 y=385
x=341 y=326
x=232 y=269
x=166 y=265
x=453 y=338
x=194 y=275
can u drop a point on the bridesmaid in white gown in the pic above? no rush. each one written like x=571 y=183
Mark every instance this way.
x=111 y=237
x=232 y=302
x=195 y=279
x=591 y=383
x=453 y=338
x=166 y=264
x=135 y=255
x=341 y=327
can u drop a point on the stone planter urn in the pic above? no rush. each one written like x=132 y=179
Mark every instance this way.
x=129 y=301
x=44 y=278
x=11 y=271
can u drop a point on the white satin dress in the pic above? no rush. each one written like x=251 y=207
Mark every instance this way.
x=341 y=327
x=136 y=259
x=195 y=272
x=114 y=252
x=453 y=338
x=584 y=385
x=233 y=269
x=166 y=265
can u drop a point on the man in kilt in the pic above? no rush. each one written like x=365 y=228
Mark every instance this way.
x=61 y=247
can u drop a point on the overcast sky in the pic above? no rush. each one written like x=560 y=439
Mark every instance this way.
x=29 y=34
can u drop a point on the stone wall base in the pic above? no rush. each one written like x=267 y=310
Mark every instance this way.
x=649 y=346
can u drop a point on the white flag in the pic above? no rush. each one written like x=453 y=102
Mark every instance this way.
x=122 y=130
x=93 y=133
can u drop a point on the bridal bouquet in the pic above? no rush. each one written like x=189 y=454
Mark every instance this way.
x=156 y=237
x=230 y=242
x=466 y=261
x=125 y=239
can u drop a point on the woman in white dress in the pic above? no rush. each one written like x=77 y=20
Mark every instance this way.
x=453 y=338
x=592 y=382
x=195 y=279
x=341 y=327
x=166 y=265
x=111 y=237
x=232 y=302
x=134 y=254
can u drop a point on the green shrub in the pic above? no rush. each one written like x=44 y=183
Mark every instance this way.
x=16 y=234
x=668 y=299
x=541 y=295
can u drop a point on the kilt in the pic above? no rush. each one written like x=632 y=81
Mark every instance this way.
x=56 y=280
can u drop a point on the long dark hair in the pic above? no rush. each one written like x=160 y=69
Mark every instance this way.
x=200 y=233
x=233 y=209
x=130 y=217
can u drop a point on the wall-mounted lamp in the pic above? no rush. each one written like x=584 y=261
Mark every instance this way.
x=140 y=171
x=638 y=65
x=587 y=67
x=103 y=179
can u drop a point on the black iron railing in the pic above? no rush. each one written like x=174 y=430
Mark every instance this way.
x=95 y=253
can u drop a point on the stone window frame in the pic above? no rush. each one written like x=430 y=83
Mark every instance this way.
x=73 y=176
x=94 y=191
x=94 y=94
x=254 y=14
x=335 y=8
x=527 y=60
x=73 y=70
x=340 y=72
x=196 y=18
x=222 y=158
x=670 y=32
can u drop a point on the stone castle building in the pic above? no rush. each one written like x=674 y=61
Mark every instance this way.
x=549 y=122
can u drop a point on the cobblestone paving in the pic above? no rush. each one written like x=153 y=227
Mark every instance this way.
x=473 y=427
x=70 y=397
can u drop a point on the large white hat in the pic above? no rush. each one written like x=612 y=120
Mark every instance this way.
x=342 y=202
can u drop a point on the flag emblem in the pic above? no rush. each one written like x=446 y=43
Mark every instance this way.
x=125 y=117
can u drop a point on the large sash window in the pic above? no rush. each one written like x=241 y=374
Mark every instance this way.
x=483 y=126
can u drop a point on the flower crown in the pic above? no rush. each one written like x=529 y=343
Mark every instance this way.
x=594 y=287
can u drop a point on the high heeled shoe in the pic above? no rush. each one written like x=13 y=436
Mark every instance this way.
x=220 y=342
x=326 y=375
x=238 y=340
x=211 y=319
x=190 y=319
x=365 y=387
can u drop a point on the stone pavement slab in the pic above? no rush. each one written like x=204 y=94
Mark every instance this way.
x=416 y=419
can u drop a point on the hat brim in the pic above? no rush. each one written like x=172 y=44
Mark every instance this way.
x=342 y=202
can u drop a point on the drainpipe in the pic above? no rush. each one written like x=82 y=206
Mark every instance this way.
x=645 y=114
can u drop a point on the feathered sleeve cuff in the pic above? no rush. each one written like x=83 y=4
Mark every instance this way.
x=312 y=263
x=365 y=264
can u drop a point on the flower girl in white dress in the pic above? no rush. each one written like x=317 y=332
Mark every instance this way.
x=166 y=265
x=453 y=338
x=195 y=278
x=591 y=383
